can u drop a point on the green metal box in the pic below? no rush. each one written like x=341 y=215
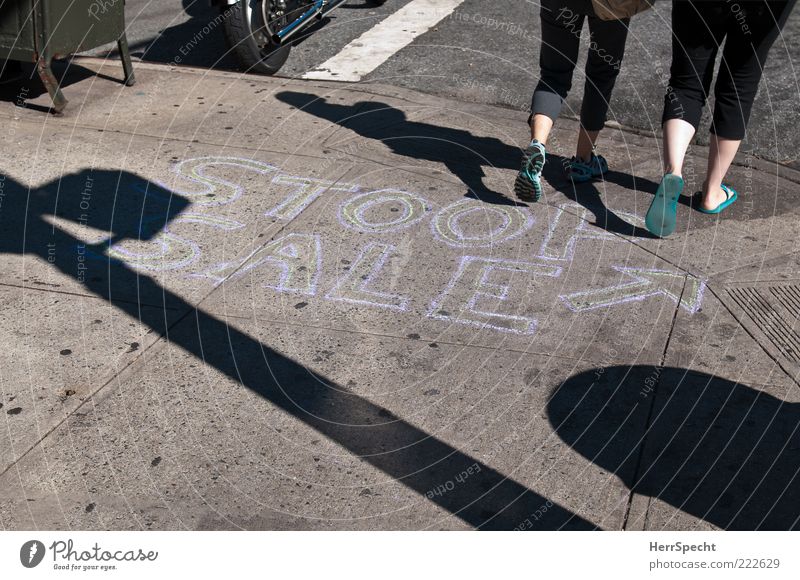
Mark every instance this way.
x=40 y=30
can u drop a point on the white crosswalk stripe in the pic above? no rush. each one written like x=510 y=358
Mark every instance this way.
x=367 y=52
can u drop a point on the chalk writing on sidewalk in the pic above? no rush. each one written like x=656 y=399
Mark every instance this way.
x=353 y=213
x=305 y=192
x=354 y=287
x=570 y=224
x=446 y=224
x=486 y=292
x=685 y=290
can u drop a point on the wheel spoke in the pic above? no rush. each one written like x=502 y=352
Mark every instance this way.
x=278 y=14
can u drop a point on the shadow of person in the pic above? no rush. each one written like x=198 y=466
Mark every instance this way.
x=721 y=451
x=589 y=196
x=38 y=222
x=462 y=153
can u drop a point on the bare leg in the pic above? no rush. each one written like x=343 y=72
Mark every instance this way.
x=720 y=156
x=586 y=141
x=677 y=137
x=540 y=128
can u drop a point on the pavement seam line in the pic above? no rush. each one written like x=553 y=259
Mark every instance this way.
x=405 y=338
x=647 y=424
x=90 y=296
x=161 y=139
x=758 y=262
x=364 y=54
x=658 y=135
x=89 y=398
x=363 y=89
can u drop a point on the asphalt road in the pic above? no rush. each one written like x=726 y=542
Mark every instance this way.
x=485 y=53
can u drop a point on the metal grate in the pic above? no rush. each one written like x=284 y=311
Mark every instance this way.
x=774 y=311
x=789 y=296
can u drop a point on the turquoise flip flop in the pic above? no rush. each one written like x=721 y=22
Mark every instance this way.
x=661 y=216
x=732 y=196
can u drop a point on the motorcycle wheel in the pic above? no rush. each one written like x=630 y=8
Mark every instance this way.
x=253 y=46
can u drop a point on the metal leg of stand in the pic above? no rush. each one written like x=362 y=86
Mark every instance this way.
x=51 y=84
x=127 y=65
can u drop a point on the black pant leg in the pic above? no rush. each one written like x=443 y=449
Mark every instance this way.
x=752 y=29
x=697 y=33
x=606 y=49
x=561 y=30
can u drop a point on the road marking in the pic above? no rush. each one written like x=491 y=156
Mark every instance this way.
x=367 y=52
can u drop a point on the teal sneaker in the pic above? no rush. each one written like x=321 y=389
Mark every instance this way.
x=662 y=215
x=528 y=186
x=580 y=171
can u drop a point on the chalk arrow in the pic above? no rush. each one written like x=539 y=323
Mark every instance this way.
x=644 y=284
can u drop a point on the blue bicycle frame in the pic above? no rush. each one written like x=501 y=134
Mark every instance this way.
x=317 y=10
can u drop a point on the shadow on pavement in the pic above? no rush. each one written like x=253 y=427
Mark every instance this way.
x=464 y=154
x=130 y=207
x=199 y=41
x=589 y=196
x=721 y=451
x=27 y=86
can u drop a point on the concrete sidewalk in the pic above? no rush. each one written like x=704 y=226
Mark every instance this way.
x=241 y=302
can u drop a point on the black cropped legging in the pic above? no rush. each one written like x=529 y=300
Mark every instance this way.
x=562 y=21
x=699 y=27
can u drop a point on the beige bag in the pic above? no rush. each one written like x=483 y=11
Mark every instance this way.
x=619 y=9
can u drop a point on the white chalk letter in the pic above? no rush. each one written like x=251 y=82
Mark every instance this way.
x=355 y=286
x=289 y=264
x=469 y=223
x=482 y=285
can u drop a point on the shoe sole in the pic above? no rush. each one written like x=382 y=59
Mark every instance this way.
x=662 y=215
x=526 y=189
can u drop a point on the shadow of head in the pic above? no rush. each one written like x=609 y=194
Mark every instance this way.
x=718 y=450
x=370 y=119
x=416 y=139
x=119 y=205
